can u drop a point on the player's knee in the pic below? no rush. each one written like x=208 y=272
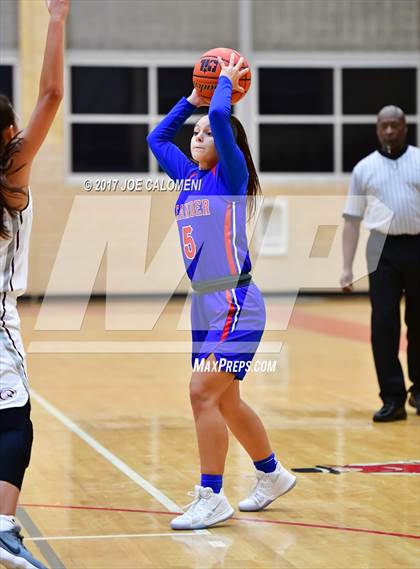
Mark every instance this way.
x=16 y=436
x=200 y=397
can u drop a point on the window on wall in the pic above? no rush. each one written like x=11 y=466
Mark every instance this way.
x=110 y=148
x=291 y=91
x=305 y=127
x=296 y=148
x=298 y=136
x=109 y=90
x=366 y=91
x=114 y=108
x=109 y=119
x=6 y=81
x=309 y=119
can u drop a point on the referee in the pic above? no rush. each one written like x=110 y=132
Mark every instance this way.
x=385 y=192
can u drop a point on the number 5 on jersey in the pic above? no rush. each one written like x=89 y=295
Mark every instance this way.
x=190 y=248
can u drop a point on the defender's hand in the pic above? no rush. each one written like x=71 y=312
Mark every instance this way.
x=58 y=9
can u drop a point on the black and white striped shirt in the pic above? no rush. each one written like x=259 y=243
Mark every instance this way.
x=385 y=193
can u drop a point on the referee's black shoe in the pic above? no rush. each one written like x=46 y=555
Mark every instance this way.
x=414 y=399
x=391 y=411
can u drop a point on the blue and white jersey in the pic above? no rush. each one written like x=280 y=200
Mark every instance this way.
x=211 y=207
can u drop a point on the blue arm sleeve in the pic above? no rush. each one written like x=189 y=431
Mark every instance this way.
x=169 y=156
x=231 y=159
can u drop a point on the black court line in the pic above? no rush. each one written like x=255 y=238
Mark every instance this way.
x=45 y=548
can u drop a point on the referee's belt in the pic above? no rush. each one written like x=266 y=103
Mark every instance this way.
x=223 y=283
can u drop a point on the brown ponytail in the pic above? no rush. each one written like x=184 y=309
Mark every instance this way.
x=7 y=153
x=254 y=188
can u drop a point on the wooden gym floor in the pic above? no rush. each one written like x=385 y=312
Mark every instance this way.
x=115 y=453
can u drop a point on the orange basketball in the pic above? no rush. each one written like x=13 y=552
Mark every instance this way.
x=207 y=70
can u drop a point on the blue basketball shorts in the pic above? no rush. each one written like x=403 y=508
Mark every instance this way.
x=228 y=324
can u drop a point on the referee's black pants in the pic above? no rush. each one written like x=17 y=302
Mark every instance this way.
x=397 y=274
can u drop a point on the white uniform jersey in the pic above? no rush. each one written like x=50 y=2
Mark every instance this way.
x=14 y=253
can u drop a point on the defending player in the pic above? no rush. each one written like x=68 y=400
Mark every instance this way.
x=228 y=312
x=17 y=151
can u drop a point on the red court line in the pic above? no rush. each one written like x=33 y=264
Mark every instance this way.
x=334 y=327
x=239 y=519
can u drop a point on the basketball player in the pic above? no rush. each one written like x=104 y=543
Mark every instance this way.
x=228 y=312
x=17 y=152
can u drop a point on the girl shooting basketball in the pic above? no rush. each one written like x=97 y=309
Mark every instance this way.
x=227 y=313
x=17 y=152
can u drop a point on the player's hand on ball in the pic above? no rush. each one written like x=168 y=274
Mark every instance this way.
x=233 y=72
x=58 y=9
x=197 y=100
x=346 y=280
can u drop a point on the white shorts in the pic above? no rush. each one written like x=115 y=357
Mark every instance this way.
x=14 y=388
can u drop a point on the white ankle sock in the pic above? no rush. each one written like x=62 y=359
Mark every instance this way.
x=7 y=522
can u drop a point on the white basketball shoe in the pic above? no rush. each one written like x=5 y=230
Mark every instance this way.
x=268 y=487
x=206 y=510
x=13 y=554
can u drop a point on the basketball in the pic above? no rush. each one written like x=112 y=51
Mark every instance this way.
x=207 y=70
